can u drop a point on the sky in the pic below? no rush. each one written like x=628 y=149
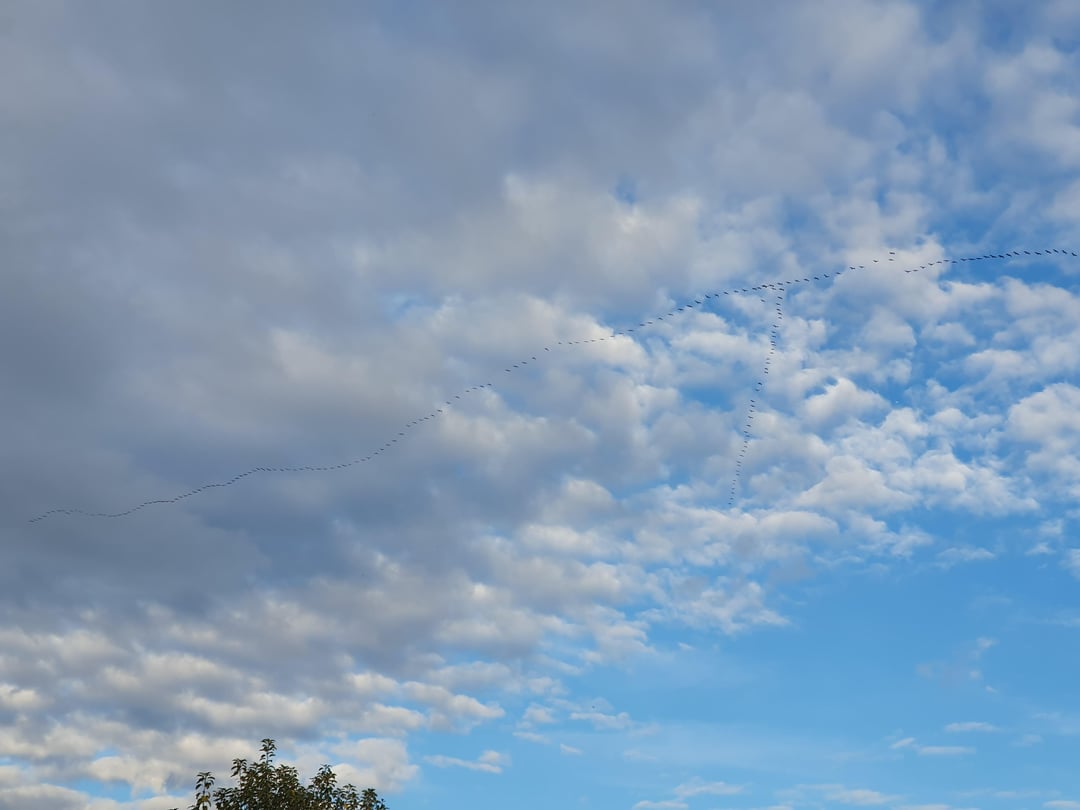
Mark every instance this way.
x=619 y=405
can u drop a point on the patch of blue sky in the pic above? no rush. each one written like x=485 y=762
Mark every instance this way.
x=402 y=306
x=626 y=190
x=118 y=791
x=867 y=663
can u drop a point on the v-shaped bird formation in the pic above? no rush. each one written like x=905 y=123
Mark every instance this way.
x=778 y=288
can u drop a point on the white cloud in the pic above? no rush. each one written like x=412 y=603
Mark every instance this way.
x=699 y=787
x=538 y=715
x=379 y=762
x=1071 y=561
x=733 y=607
x=962 y=554
x=843 y=399
x=17 y=699
x=602 y=721
x=971 y=726
x=533 y=737
x=859 y=797
x=1048 y=419
x=488 y=762
x=450 y=709
x=944 y=750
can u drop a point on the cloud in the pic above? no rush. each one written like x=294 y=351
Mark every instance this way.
x=959 y=554
x=1071 y=562
x=971 y=726
x=841 y=400
x=698 y=787
x=602 y=721
x=1047 y=420
x=944 y=750
x=533 y=737
x=488 y=762
x=733 y=607
x=450 y=709
x=859 y=797
x=538 y=715
x=16 y=699
x=569 y=750
x=382 y=763
x=965 y=665
x=216 y=259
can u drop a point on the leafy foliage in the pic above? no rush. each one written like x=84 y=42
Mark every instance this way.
x=261 y=786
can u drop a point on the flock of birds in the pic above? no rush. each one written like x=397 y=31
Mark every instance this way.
x=774 y=337
x=777 y=288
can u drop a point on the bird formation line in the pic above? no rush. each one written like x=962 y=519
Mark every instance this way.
x=759 y=386
x=645 y=324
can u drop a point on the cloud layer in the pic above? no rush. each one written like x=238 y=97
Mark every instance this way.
x=524 y=262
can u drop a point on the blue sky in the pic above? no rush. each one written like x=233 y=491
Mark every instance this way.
x=234 y=240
